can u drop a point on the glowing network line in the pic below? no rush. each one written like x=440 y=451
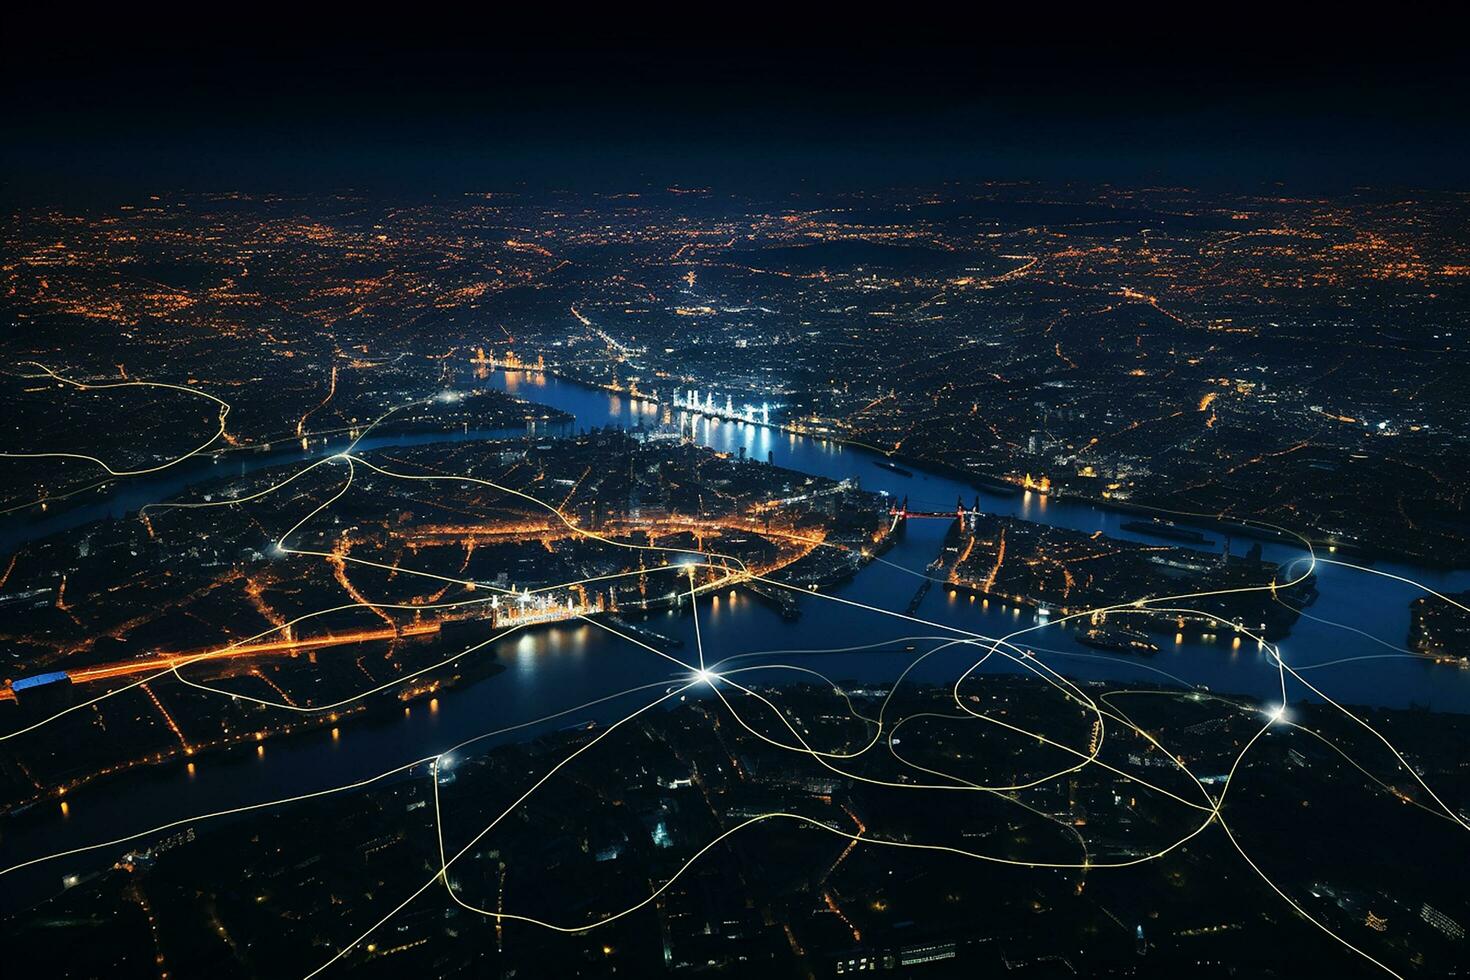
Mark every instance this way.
x=716 y=676
x=46 y=372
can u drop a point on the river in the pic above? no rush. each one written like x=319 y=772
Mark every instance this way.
x=551 y=669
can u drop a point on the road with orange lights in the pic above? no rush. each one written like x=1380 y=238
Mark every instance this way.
x=1203 y=801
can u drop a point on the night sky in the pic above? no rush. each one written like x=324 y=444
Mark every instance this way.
x=274 y=108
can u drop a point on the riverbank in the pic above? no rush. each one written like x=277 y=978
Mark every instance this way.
x=554 y=674
x=1000 y=486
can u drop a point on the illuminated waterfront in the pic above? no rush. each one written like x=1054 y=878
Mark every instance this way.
x=793 y=509
x=556 y=667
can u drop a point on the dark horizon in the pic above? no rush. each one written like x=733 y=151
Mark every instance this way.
x=1316 y=113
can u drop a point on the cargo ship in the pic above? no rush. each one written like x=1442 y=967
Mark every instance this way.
x=1119 y=640
x=892 y=468
x=1166 y=529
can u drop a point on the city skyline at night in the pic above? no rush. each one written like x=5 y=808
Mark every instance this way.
x=920 y=506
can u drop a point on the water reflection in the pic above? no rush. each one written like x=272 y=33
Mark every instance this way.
x=552 y=668
x=1379 y=607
